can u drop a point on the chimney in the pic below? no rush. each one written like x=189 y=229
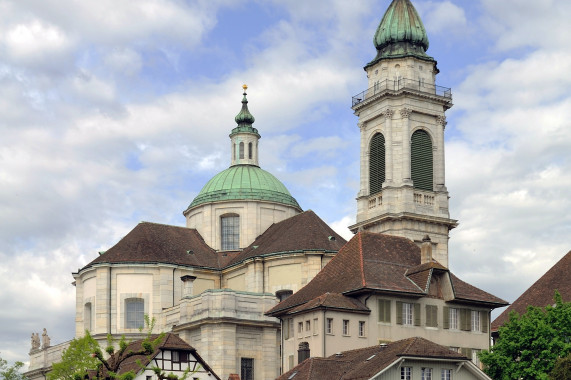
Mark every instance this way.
x=283 y=294
x=426 y=250
x=188 y=284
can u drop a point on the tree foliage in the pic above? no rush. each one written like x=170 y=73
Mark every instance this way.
x=11 y=372
x=529 y=345
x=76 y=359
x=562 y=369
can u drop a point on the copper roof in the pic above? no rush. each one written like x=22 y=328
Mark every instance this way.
x=378 y=262
x=542 y=291
x=364 y=363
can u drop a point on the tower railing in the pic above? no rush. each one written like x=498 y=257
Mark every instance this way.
x=402 y=84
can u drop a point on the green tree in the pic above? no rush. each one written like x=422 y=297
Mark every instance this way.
x=76 y=359
x=530 y=344
x=562 y=369
x=11 y=372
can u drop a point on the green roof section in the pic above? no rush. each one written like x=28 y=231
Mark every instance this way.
x=244 y=119
x=401 y=33
x=244 y=182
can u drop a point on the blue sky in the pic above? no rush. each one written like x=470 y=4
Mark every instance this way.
x=113 y=113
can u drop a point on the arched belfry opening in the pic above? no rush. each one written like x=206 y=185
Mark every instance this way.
x=421 y=161
x=376 y=163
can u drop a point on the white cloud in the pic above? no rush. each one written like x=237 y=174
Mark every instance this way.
x=443 y=18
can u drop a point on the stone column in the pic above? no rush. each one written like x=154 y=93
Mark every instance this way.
x=440 y=158
x=405 y=115
x=389 y=146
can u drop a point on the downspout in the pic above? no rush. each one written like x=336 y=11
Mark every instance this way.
x=282 y=346
x=109 y=304
x=173 y=270
x=323 y=343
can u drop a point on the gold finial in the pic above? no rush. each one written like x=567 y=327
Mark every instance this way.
x=245 y=87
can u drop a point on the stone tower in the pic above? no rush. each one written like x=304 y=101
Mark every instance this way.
x=401 y=119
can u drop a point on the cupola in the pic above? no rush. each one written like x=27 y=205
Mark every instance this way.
x=244 y=137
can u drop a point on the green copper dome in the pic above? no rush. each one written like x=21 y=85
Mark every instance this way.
x=244 y=182
x=401 y=33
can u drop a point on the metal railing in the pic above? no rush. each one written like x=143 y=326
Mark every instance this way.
x=402 y=84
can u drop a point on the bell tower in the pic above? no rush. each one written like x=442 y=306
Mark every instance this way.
x=402 y=122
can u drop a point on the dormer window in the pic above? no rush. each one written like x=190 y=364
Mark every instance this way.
x=180 y=357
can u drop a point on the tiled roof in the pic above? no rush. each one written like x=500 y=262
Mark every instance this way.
x=332 y=301
x=161 y=243
x=378 y=262
x=170 y=342
x=364 y=363
x=542 y=291
x=302 y=232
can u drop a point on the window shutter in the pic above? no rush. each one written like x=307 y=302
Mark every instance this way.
x=384 y=311
x=376 y=163
x=387 y=311
x=421 y=166
x=484 y=321
x=467 y=352
x=465 y=315
x=446 y=317
x=399 y=313
x=417 y=314
x=432 y=315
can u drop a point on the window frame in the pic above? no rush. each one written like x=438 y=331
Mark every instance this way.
x=406 y=373
x=426 y=373
x=362 y=329
x=445 y=374
x=329 y=326
x=134 y=319
x=346 y=328
x=475 y=321
x=247 y=371
x=229 y=232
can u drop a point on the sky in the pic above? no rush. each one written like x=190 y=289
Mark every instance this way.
x=115 y=112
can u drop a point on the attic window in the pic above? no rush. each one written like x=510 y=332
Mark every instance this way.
x=179 y=357
x=332 y=238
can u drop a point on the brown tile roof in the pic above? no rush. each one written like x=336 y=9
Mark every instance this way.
x=364 y=363
x=170 y=341
x=302 y=232
x=332 y=301
x=372 y=261
x=160 y=243
x=541 y=292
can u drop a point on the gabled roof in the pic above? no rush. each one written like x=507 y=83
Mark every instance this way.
x=542 y=291
x=378 y=262
x=302 y=232
x=365 y=363
x=161 y=243
x=170 y=342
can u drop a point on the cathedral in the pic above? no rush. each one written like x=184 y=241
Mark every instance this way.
x=256 y=284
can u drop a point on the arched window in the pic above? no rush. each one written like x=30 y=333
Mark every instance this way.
x=87 y=321
x=376 y=163
x=241 y=150
x=421 y=170
x=250 y=151
x=230 y=232
x=233 y=151
x=134 y=313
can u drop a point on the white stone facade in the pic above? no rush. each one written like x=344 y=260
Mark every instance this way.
x=401 y=99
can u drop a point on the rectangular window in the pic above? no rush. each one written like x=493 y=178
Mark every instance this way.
x=475 y=358
x=288 y=328
x=426 y=374
x=134 y=313
x=307 y=325
x=300 y=327
x=476 y=321
x=446 y=374
x=407 y=313
x=329 y=326
x=406 y=373
x=315 y=324
x=345 y=327
x=431 y=315
x=455 y=349
x=179 y=357
x=361 y=328
x=247 y=369
x=230 y=232
x=384 y=311
x=453 y=319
